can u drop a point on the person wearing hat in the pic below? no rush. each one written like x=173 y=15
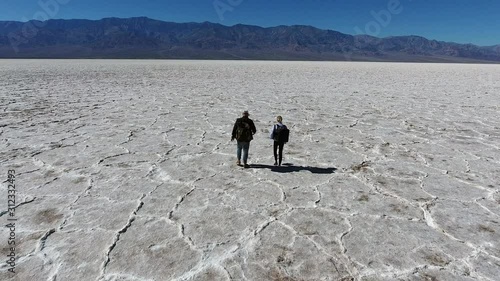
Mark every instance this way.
x=243 y=131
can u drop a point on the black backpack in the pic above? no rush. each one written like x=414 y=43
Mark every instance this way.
x=281 y=133
x=243 y=131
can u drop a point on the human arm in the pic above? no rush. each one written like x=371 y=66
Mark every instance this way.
x=271 y=134
x=233 y=134
x=252 y=127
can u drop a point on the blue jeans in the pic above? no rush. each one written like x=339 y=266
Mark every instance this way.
x=243 y=146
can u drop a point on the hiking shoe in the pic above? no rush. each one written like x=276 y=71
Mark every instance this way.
x=275 y=163
x=246 y=165
x=238 y=163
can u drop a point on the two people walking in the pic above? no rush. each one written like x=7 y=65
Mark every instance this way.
x=243 y=131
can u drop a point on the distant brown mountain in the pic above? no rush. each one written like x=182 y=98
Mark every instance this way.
x=152 y=39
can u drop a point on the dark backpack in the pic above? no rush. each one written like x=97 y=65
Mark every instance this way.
x=243 y=131
x=281 y=133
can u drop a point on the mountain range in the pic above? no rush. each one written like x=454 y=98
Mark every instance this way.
x=145 y=38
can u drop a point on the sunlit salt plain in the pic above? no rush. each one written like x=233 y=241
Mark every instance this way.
x=125 y=171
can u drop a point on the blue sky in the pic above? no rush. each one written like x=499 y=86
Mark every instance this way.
x=462 y=21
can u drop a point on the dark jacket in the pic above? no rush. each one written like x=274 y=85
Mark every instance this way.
x=243 y=120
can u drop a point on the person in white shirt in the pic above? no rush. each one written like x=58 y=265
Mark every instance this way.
x=279 y=141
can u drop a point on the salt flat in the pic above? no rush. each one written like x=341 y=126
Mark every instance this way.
x=125 y=171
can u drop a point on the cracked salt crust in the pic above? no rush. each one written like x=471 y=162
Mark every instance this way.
x=127 y=172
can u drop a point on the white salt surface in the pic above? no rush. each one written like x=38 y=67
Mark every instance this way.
x=125 y=171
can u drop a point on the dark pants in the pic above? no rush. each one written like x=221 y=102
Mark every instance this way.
x=277 y=145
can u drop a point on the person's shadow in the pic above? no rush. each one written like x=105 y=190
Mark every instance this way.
x=290 y=168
